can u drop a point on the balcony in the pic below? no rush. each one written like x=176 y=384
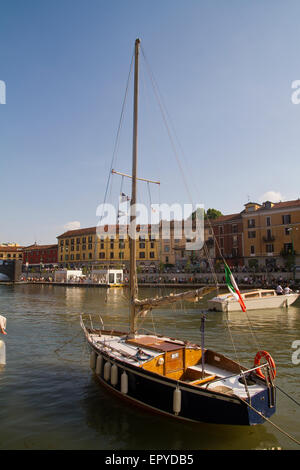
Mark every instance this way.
x=268 y=238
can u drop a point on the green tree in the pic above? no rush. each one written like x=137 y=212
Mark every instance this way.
x=212 y=214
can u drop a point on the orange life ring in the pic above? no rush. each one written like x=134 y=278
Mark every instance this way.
x=270 y=361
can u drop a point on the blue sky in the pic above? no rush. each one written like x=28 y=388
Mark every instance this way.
x=224 y=69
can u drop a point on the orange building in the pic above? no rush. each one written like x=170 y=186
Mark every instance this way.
x=272 y=233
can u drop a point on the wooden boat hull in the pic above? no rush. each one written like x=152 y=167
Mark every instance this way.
x=156 y=393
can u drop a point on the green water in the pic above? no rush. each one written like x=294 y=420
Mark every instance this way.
x=49 y=398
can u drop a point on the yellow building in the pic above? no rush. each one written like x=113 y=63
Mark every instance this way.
x=272 y=233
x=10 y=251
x=86 y=247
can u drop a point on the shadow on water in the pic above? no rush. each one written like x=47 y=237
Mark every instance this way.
x=127 y=426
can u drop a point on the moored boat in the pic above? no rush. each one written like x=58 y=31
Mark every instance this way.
x=253 y=299
x=180 y=379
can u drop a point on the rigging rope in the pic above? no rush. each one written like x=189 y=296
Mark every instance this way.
x=273 y=424
x=164 y=113
x=251 y=329
x=285 y=393
x=118 y=131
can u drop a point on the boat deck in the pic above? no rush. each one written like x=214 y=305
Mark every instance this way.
x=134 y=353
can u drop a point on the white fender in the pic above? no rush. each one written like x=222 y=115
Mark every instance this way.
x=107 y=367
x=114 y=375
x=177 y=401
x=124 y=383
x=99 y=364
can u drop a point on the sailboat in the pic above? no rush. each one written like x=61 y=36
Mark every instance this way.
x=174 y=377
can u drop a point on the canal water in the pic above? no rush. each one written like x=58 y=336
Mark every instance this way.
x=49 y=398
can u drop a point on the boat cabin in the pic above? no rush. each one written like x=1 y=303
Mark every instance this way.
x=181 y=361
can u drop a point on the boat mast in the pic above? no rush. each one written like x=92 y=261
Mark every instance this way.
x=132 y=240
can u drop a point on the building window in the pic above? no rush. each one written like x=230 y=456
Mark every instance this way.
x=72 y=257
x=152 y=245
x=90 y=255
x=288 y=248
x=234 y=252
x=152 y=254
x=101 y=255
x=270 y=248
x=121 y=255
x=61 y=243
x=142 y=244
x=121 y=244
x=286 y=219
x=78 y=241
x=142 y=254
x=84 y=247
x=234 y=228
x=268 y=221
x=72 y=241
x=77 y=256
x=166 y=248
x=234 y=240
x=90 y=246
x=251 y=223
x=252 y=234
x=90 y=239
x=83 y=239
x=252 y=250
x=101 y=246
x=221 y=230
x=111 y=255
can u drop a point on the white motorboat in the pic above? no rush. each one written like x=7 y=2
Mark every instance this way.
x=253 y=299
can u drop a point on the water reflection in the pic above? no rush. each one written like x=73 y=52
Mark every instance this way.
x=265 y=318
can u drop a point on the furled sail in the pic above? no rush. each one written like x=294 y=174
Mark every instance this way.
x=145 y=305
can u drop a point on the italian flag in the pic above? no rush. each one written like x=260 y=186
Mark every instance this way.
x=233 y=288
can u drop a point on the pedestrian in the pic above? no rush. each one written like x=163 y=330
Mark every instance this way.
x=279 y=290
